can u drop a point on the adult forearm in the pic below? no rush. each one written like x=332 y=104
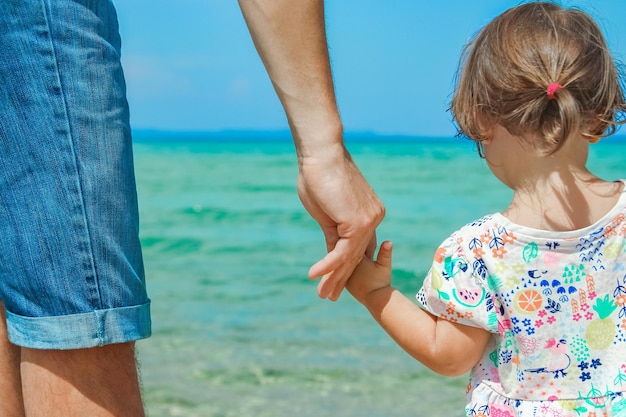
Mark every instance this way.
x=290 y=38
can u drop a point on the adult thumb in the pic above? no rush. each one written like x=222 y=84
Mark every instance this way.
x=384 y=254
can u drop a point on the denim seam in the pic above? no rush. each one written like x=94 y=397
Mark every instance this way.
x=76 y=166
x=95 y=328
x=100 y=329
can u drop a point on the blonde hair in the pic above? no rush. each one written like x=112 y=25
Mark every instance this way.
x=505 y=72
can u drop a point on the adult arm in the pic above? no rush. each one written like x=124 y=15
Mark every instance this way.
x=290 y=38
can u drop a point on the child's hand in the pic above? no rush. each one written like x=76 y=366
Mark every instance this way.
x=371 y=275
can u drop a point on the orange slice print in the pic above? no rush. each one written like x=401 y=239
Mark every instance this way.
x=527 y=301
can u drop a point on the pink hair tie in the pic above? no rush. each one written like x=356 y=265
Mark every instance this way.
x=552 y=89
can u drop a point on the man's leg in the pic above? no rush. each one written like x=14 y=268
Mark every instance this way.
x=11 y=404
x=71 y=272
x=95 y=382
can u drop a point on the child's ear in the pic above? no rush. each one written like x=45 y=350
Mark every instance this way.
x=486 y=127
x=594 y=132
x=593 y=138
x=488 y=134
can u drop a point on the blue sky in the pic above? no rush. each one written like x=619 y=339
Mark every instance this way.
x=191 y=65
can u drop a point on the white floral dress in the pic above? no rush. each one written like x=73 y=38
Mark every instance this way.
x=555 y=303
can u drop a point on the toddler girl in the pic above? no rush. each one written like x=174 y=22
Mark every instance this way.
x=531 y=300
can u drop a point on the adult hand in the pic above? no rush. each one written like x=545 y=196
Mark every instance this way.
x=290 y=37
x=337 y=196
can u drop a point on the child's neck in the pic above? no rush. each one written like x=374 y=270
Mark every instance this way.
x=551 y=192
x=561 y=197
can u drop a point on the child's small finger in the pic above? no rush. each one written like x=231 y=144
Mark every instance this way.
x=384 y=254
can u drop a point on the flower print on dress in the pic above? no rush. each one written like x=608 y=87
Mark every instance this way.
x=620 y=297
x=540 y=338
x=617 y=227
x=500 y=410
x=528 y=345
x=495 y=239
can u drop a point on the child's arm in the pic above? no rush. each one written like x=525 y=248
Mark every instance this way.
x=445 y=347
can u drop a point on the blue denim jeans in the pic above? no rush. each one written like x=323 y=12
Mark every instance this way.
x=71 y=270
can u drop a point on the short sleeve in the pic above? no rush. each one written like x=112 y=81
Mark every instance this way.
x=454 y=292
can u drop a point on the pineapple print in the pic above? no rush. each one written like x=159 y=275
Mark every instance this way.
x=601 y=332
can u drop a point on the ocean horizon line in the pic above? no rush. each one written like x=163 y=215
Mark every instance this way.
x=253 y=135
x=279 y=135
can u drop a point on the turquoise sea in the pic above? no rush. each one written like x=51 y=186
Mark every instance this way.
x=238 y=328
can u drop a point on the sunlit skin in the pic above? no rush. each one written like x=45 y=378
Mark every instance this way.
x=571 y=198
x=291 y=40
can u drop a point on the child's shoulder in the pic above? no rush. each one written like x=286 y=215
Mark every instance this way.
x=470 y=231
x=479 y=226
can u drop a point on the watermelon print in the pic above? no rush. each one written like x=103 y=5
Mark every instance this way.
x=468 y=297
x=555 y=303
